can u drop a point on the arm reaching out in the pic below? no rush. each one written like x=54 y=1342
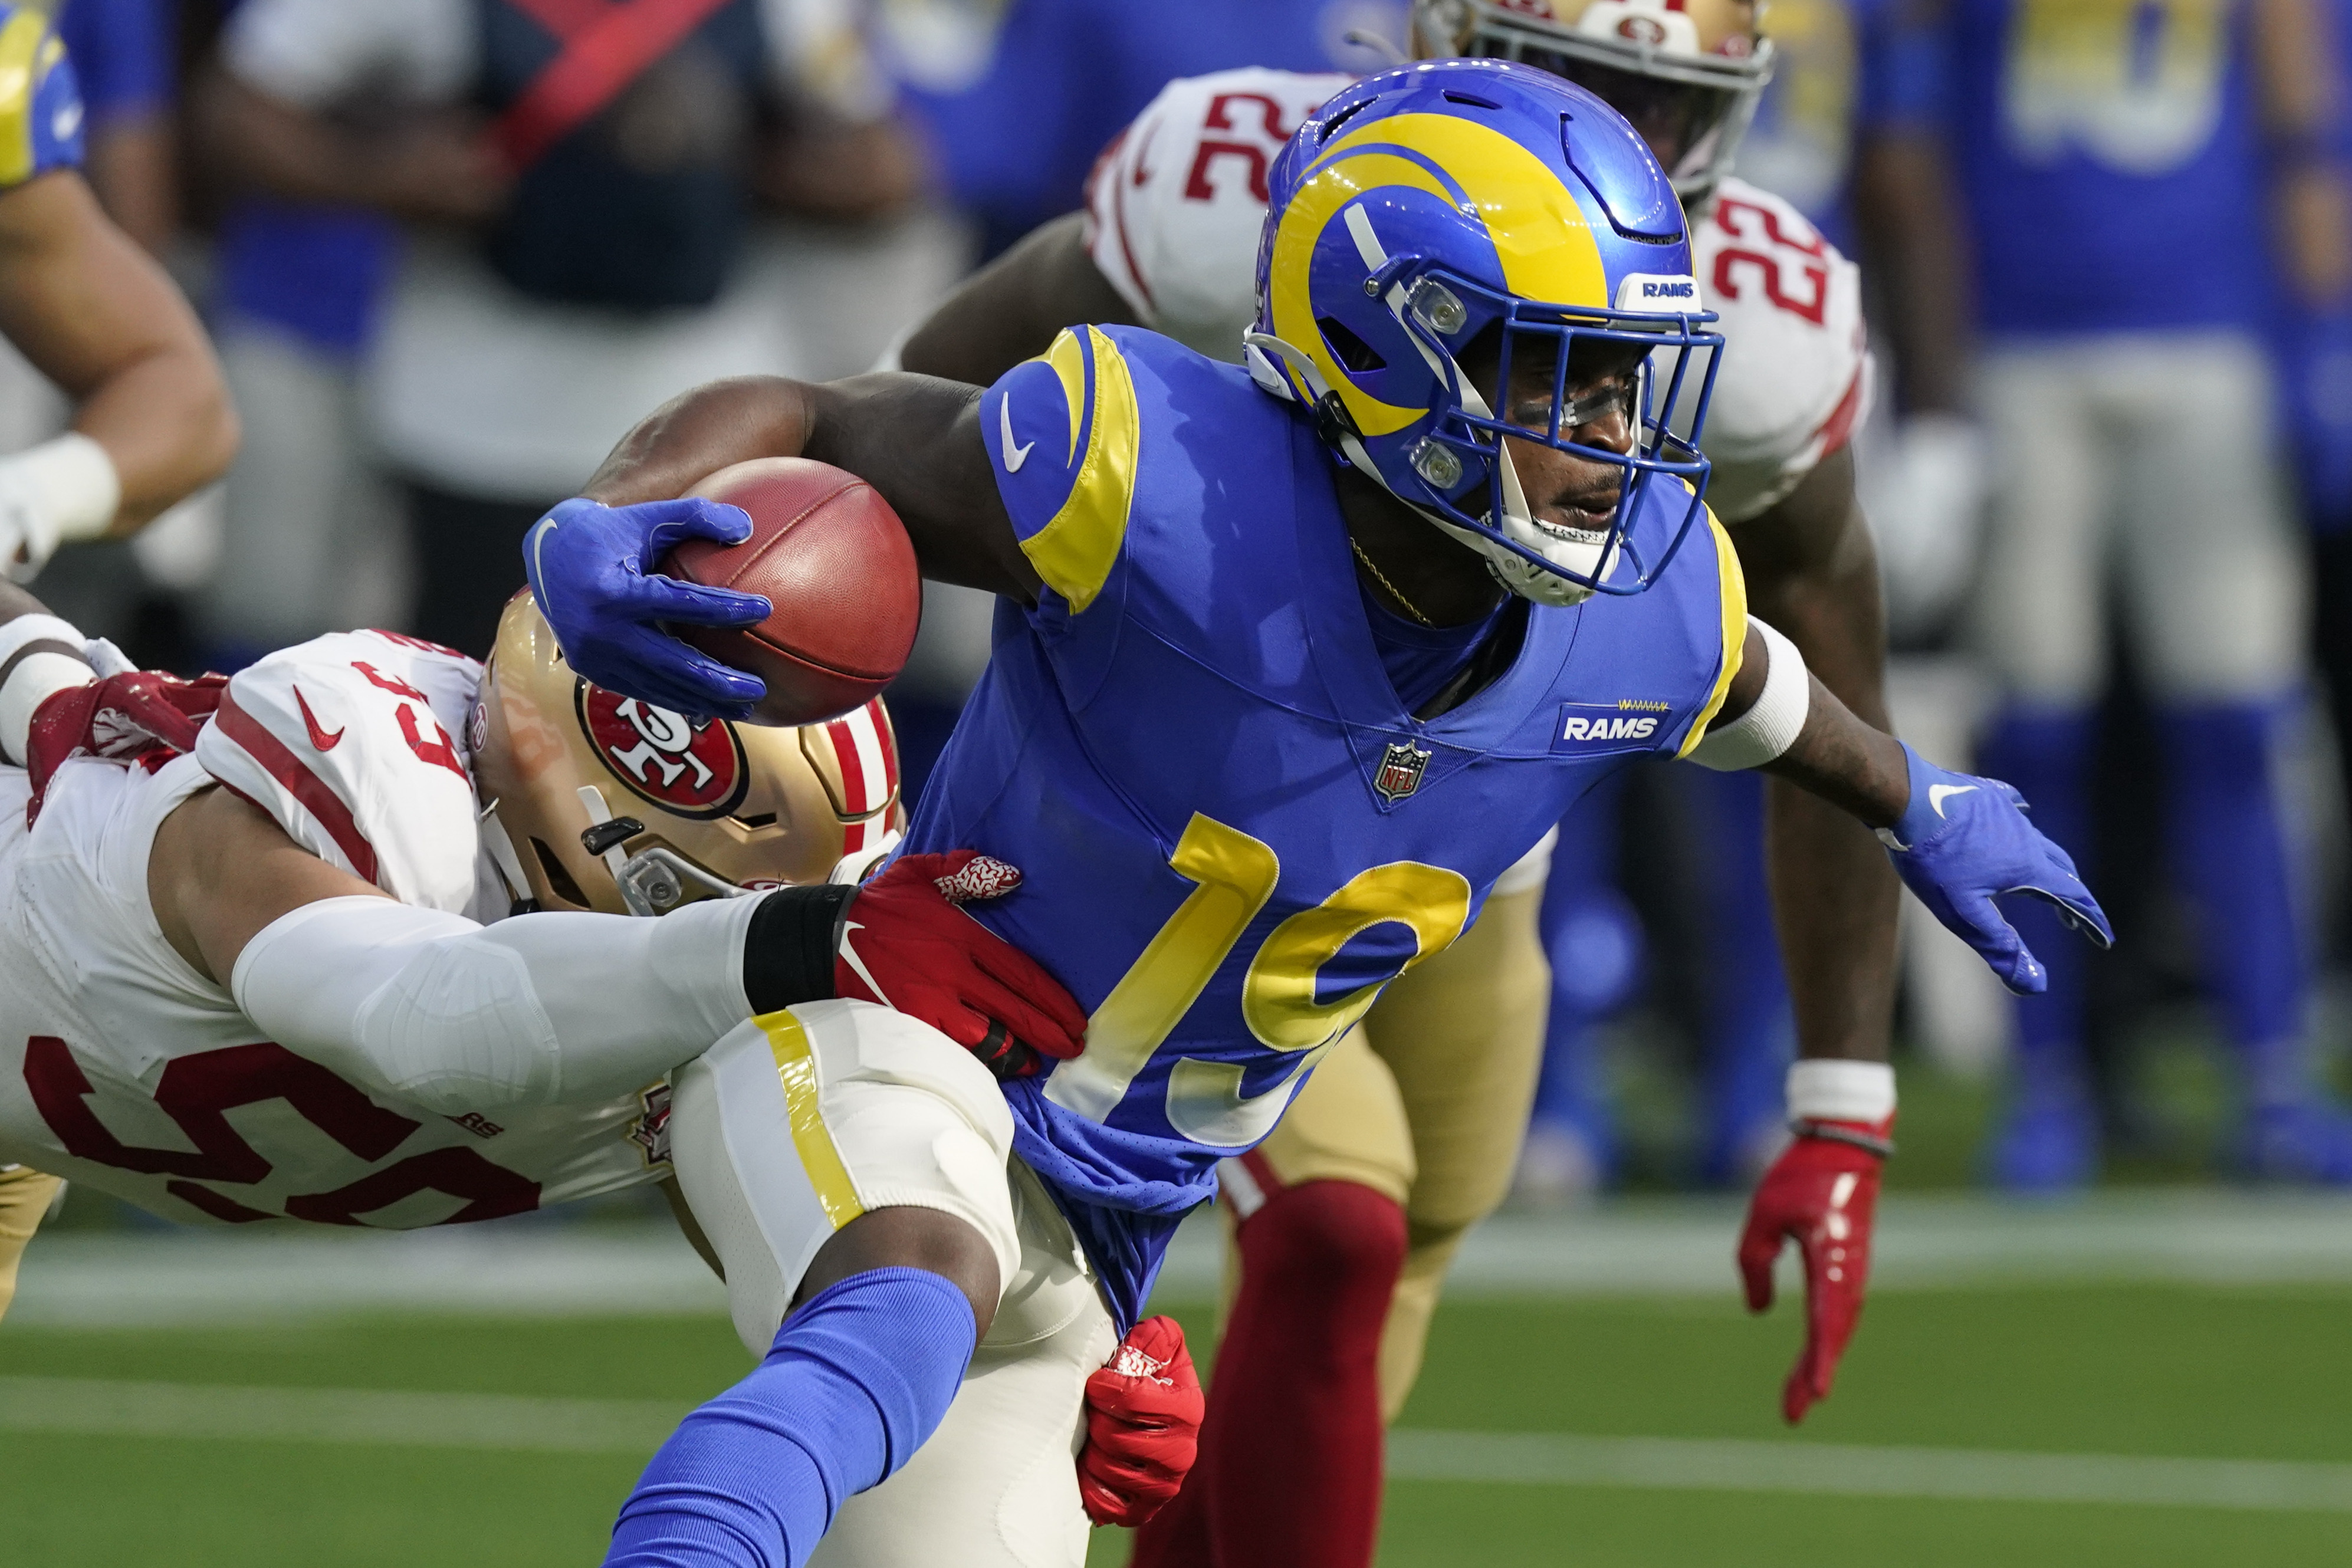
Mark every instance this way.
x=1959 y=842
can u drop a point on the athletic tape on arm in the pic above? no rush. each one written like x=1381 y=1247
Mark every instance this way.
x=40 y=655
x=431 y=1008
x=1771 y=723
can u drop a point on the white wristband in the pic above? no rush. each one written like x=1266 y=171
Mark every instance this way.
x=40 y=655
x=60 y=490
x=1823 y=1089
x=1770 y=725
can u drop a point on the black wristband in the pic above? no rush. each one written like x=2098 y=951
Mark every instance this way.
x=789 y=949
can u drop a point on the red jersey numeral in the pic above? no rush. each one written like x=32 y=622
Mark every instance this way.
x=1253 y=154
x=1758 y=224
x=196 y=1091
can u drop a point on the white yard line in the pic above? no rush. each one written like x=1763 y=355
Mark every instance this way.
x=1676 y=1464
x=1634 y=1248
x=91 y=1408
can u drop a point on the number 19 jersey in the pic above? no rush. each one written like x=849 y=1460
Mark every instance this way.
x=1231 y=834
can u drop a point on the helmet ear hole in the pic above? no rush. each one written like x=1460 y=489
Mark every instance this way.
x=1349 y=348
x=560 y=881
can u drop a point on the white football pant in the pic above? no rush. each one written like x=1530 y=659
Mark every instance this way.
x=2154 y=457
x=798 y=1122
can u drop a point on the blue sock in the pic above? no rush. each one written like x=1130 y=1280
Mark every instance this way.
x=2046 y=754
x=860 y=1375
x=1751 y=1033
x=2230 y=857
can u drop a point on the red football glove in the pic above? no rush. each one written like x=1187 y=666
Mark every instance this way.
x=142 y=718
x=1823 y=1191
x=907 y=946
x=1143 y=1425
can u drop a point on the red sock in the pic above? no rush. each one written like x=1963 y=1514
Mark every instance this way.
x=1289 y=1472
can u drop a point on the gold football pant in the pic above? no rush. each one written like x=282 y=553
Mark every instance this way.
x=25 y=1197
x=1425 y=1102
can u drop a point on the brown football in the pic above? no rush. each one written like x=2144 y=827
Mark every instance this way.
x=834 y=560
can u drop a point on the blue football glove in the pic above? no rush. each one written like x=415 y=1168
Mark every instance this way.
x=1964 y=841
x=590 y=568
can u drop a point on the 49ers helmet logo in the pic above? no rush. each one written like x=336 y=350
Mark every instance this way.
x=691 y=766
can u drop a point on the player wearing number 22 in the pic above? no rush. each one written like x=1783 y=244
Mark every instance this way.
x=1245 y=792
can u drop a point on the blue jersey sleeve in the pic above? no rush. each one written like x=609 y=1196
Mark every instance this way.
x=40 y=101
x=1063 y=433
x=122 y=53
x=1901 y=69
x=1727 y=629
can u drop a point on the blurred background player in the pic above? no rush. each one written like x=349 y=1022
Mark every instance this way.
x=2161 y=151
x=579 y=187
x=94 y=312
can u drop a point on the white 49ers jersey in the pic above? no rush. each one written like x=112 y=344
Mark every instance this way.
x=1176 y=202
x=122 y=1067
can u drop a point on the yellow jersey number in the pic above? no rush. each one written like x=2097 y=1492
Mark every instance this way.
x=1232 y=875
x=2137 y=85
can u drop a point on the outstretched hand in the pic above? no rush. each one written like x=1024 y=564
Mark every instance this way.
x=1964 y=841
x=1822 y=1193
x=591 y=570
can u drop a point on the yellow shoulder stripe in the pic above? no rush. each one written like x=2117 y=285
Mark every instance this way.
x=796 y=1067
x=1074 y=551
x=20 y=43
x=1734 y=630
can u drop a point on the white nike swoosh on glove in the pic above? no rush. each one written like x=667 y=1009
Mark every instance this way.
x=849 y=956
x=1939 y=793
x=540 y=530
x=1013 y=456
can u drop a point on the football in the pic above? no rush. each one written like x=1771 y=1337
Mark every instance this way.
x=834 y=560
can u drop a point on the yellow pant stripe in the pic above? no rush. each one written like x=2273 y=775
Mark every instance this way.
x=796 y=1069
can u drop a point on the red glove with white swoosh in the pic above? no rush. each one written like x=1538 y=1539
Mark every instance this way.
x=1822 y=1192
x=906 y=944
x=1143 y=1425
x=140 y=718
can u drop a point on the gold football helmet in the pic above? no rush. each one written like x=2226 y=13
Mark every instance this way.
x=1688 y=73
x=593 y=801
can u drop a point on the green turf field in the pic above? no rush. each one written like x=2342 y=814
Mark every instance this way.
x=2252 y=1373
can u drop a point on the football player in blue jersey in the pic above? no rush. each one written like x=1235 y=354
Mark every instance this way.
x=1292 y=663
x=99 y=317
x=2126 y=169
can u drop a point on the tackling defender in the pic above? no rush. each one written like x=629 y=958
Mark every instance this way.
x=1352 y=1210
x=1291 y=666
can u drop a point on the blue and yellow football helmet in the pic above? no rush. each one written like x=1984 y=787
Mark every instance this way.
x=1429 y=207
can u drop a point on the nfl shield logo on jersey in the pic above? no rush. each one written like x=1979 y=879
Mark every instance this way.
x=1401 y=767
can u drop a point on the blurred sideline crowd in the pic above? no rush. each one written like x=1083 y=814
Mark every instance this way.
x=2108 y=253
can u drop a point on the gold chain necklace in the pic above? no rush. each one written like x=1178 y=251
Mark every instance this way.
x=1381 y=578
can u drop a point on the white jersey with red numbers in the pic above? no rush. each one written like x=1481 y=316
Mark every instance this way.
x=1175 y=203
x=122 y=1067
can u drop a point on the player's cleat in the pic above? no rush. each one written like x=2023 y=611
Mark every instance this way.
x=2046 y=1145
x=2301 y=1141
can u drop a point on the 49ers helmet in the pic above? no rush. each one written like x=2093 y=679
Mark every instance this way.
x=593 y=801
x=1688 y=73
